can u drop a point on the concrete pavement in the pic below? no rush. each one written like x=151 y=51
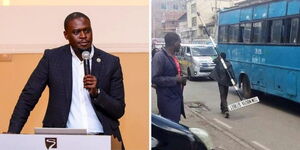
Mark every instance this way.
x=266 y=125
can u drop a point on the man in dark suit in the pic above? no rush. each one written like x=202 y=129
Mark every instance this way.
x=94 y=101
x=220 y=75
x=166 y=76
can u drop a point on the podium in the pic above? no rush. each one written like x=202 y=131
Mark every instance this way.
x=54 y=142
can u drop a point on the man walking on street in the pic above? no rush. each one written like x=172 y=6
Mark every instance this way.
x=166 y=76
x=220 y=75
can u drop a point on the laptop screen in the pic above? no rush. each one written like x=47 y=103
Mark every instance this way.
x=61 y=131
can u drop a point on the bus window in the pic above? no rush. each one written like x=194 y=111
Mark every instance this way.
x=245 y=32
x=257 y=32
x=294 y=34
x=276 y=31
x=223 y=34
x=233 y=33
x=286 y=29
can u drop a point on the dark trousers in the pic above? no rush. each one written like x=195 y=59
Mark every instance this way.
x=223 y=95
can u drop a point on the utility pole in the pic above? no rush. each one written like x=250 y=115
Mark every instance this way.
x=216 y=6
x=216 y=19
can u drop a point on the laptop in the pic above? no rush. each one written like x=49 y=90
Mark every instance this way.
x=61 y=131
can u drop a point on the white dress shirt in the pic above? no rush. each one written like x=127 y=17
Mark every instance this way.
x=82 y=114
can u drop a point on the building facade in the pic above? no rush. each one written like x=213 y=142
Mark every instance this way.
x=208 y=10
x=165 y=15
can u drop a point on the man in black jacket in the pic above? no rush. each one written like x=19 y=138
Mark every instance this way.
x=94 y=101
x=220 y=75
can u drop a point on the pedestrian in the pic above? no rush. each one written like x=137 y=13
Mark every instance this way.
x=167 y=77
x=154 y=51
x=220 y=75
x=94 y=101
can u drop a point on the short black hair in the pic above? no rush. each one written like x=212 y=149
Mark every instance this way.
x=223 y=55
x=171 y=38
x=74 y=15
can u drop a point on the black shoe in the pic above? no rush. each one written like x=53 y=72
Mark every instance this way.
x=226 y=114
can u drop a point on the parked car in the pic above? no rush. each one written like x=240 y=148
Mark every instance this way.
x=168 y=135
x=196 y=60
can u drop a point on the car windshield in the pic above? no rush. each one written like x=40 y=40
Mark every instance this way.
x=203 y=51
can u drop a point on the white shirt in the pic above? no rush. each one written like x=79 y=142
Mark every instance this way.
x=82 y=114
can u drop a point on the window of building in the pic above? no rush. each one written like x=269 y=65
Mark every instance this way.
x=209 y=30
x=233 y=33
x=245 y=30
x=194 y=34
x=294 y=34
x=193 y=8
x=163 y=6
x=194 y=21
x=276 y=31
x=257 y=32
x=175 y=6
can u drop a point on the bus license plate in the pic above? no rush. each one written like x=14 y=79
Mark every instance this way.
x=243 y=103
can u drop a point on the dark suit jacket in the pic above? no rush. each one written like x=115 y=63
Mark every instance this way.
x=219 y=73
x=169 y=92
x=55 y=71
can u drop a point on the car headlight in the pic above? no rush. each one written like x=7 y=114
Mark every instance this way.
x=196 y=68
x=203 y=136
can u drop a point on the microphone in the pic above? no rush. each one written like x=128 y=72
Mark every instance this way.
x=86 y=62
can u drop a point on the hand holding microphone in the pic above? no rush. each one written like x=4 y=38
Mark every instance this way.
x=89 y=81
x=86 y=62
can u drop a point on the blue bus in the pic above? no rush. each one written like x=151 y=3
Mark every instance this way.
x=262 y=41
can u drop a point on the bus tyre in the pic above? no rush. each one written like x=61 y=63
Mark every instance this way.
x=246 y=89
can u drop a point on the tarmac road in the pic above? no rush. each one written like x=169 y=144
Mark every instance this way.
x=272 y=124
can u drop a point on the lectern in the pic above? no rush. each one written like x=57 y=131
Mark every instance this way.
x=54 y=142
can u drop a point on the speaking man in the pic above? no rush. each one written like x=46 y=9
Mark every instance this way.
x=92 y=101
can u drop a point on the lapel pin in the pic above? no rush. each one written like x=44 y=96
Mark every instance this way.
x=98 y=60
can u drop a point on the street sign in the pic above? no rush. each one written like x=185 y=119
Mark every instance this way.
x=243 y=103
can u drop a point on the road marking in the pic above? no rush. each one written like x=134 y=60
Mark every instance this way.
x=222 y=123
x=260 y=145
x=229 y=134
